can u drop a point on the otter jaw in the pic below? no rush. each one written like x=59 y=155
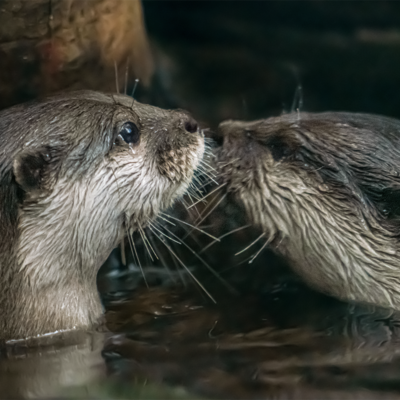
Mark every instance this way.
x=337 y=244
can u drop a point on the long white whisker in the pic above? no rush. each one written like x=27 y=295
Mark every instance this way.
x=166 y=219
x=251 y=244
x=259 y=251
x=212 y=209
x=194 y=227
x=144 y=235
x=162 y=233
x=145 y=244
x=222 y=236
x=186 y=268
x=209 y=194
x=212 y=270
x=161 y=258
x=134 y=253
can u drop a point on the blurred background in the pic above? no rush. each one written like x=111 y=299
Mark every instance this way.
x=246 y=59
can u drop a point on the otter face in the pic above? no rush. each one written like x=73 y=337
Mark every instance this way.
x=77 y=172
x=325 y=188
x=91 y=166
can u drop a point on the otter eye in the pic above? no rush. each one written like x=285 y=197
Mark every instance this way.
x=278 y=147
x=130 y=133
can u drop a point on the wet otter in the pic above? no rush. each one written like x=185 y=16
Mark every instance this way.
x=77 y=171
x=325 y=189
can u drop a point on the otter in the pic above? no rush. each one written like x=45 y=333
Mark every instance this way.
x=78 y=171
x=325 y=190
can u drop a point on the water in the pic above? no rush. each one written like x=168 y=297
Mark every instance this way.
x=274 y=338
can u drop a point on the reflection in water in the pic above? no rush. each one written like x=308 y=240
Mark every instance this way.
x=256 y=347
x=39 y=367
x=281 y=341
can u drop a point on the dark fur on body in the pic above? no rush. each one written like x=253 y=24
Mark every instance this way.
x=325 y=188
x=70 y=189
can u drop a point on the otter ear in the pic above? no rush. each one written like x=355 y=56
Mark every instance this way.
x=29 y=169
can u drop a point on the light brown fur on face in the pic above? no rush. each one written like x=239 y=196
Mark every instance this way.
x=70 y=189
x=325 y=188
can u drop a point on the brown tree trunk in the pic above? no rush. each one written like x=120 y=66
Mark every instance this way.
x=50 y=45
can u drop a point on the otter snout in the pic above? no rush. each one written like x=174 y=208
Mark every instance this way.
x=191 y=125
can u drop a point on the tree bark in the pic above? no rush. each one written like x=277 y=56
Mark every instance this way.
x=51 y=45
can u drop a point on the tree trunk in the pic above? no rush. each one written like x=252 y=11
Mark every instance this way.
x=50 y=45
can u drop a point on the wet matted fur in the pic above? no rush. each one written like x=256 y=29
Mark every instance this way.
x=70 y=188
x=325 y=188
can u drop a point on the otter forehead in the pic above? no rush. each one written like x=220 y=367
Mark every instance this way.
x=341 y=145
x=84 y=124
x=330 y=129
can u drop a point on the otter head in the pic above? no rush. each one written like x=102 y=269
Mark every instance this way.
x=78 y=171
x=325 y=188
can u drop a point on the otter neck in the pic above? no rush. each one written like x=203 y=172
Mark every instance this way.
x=59 y=249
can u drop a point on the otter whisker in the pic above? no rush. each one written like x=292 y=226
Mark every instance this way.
x=251 y=244
x=206 y=166
x=187 y=208
x=205 y=183
x=163 y=262
x=196 y=179
x=134 y=87
x=259 y=251
x=151 y=226
x=210 y=177
x=227 y=162
x=166 y=220
x=212 y=270
x=133 y=91
x=206 y=169
x=134 y=253
x=222 y=236
x=207 y=208
x=186 y=268
x=196 y=189
x=189 y=193
x=212 y=209
x=209 y=194
x=146 y=242
x=192 y=226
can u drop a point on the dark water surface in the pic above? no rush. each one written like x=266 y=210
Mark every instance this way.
x=268 y=335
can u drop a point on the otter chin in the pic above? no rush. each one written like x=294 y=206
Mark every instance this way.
x=77 y=171
x=325 y=190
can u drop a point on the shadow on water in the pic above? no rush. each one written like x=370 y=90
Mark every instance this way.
x=270 y=337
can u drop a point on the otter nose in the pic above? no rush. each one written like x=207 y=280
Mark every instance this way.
x=191 y=125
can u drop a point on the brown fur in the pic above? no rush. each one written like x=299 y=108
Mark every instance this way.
x=325 y=188
x=70 y=188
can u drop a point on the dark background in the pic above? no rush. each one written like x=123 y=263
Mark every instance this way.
x=246 y=59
